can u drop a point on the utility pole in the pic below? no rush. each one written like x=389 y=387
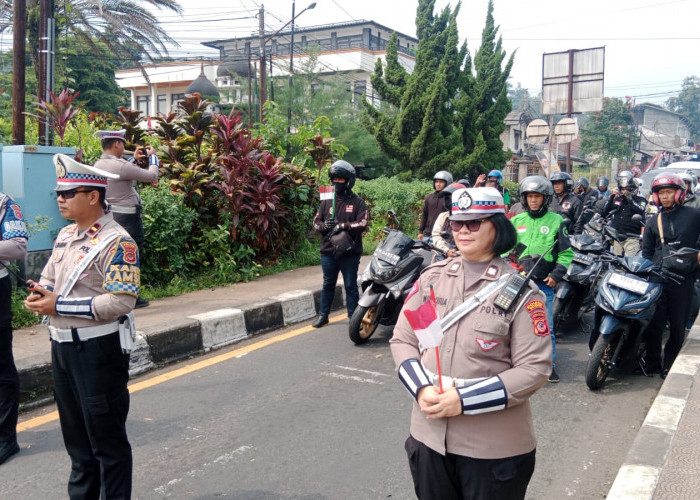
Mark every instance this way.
x=291 y=70
x=272 y=82
x=46 y=63
x=569 y=107
x=19 y=30
x=250 y=93
x=263 y=66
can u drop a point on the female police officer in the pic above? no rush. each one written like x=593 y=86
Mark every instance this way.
x=476 y=438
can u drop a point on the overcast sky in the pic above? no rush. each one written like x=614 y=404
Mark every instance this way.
x=650 y=45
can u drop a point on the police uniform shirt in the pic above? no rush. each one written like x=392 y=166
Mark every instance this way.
x=121 y=191
x=486 y=342
x=110 y=283
x=13 y=231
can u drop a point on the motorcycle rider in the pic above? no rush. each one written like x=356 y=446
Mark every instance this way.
x=626 y=203
x=434 y=205
x=680 y=226
x=691 y=180
x=544 y=233
x=348 y=213
x=494 y=179
x=588 y=197
x=603 y=183
x=564 y=202
x=442 y=224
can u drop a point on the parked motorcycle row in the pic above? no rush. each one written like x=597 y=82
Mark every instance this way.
x=621 y=290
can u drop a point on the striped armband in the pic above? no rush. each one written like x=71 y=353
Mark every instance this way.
x=483 y=397
x=79 y=306
x=153 y=160
x=413 y=376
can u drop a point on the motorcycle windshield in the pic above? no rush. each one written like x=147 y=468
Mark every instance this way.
x=636 y=264
x=394 y=247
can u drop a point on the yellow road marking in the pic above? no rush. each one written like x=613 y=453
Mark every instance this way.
x=186 y=370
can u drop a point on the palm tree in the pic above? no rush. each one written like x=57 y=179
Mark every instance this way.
x=126 y=27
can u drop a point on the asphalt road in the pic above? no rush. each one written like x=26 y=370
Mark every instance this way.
x=315 y=417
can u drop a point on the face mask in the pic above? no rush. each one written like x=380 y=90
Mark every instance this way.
x=340 y=188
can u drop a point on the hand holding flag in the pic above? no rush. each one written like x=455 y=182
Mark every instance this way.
x=426 y=325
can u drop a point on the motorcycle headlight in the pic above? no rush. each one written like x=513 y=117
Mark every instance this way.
x=387 y=274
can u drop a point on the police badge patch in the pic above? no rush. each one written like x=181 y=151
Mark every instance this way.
x=538 y=315
x=465 y=201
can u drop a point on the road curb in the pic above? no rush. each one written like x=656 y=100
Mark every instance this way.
x=196 y=334
x=639 y=476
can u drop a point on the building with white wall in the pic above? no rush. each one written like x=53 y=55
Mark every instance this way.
x=167 y=83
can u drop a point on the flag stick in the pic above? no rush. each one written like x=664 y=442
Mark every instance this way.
x=433 y=300
x=333 y=207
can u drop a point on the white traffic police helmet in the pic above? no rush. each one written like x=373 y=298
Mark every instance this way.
x=476 y=203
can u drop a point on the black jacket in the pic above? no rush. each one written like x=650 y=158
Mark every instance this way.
x=570 y=207
x=351 y=210
x=622 y=220
x=681 y=229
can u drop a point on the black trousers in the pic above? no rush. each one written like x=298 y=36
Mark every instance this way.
x=134 y=226
x=455 y=477
x=673 y=305
x=9 y=379
x=93 y=402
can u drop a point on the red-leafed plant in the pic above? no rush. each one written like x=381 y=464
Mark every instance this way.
x=58 y=111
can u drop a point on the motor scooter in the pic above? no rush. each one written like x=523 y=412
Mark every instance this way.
x=396 y=264
x=624 y=306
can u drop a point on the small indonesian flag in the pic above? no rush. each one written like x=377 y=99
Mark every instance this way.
x=425 y=324
x=326 y=192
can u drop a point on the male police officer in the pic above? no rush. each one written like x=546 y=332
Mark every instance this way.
x=88 y=288
x=124 y=200
x=13 y=245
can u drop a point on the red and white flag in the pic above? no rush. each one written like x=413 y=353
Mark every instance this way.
x=425 y=324
x=326 y=192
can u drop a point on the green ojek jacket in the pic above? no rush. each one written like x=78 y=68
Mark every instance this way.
x=538 y=234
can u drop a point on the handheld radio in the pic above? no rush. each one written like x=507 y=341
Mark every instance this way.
x=517 y=282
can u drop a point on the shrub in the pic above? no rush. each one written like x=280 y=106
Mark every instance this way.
x=167 y=223
x=384 y=194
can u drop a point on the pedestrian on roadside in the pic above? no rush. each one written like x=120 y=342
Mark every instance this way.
x=442 y=235
x=122 y=196
x=564 y=202
x=625 y=202
x=13 y=246
x=88 y=289
x=544 y=234
x=433 y=205
x=675 y=226
x=471 y=433
x=341 y=222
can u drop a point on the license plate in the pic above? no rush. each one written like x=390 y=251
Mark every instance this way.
x=389 y=257
x=582 y=258
x=629 y=284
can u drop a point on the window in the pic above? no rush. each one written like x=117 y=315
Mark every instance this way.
x=161 y=107
x=143 y=104
x=175 y=98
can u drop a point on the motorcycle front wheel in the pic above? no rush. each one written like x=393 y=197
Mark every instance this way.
x=598 y=366
x=362 y=324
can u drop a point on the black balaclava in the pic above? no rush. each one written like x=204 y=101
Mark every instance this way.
x=341 y=188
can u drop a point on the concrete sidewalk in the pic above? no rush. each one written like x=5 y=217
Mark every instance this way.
x=174 y=328
x=662 y=462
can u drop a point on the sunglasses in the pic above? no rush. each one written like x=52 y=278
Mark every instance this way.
x=69 y=194
x=472 y=225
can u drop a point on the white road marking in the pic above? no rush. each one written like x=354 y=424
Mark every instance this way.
x=223 y=459
x=350 y=368
x=353 y=378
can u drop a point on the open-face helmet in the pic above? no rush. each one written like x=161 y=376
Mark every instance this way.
x=668 y=180
x=536 y=184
